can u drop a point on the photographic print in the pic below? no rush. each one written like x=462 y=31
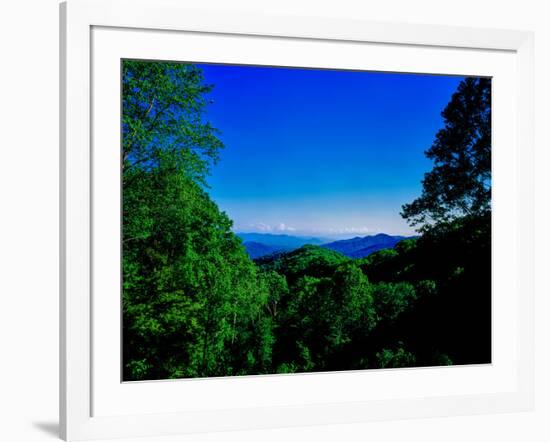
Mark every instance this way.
x=282 y=220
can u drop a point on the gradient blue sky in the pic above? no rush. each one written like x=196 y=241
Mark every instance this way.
x=322 y=152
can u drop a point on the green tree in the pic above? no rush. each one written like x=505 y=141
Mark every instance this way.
x=308 y=260
x=305 y=325
x=277 y=288
x=163 y=113
x=355 y=314
x=460 y=182
x=388 y=358
x=323 y=319
x=190 y=292
x=392 y=299
x=192 y=304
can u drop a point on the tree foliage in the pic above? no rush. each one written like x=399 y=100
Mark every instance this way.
x=388 y=358
x=191 y=298
x=460 y=182
x=163 y=107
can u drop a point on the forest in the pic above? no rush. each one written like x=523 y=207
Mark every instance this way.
x=194 y=304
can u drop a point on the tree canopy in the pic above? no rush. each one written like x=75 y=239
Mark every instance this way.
x=190 y=294
x=460 y=182
x=163 y=108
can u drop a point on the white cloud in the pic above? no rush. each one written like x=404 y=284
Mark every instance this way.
x=279 y=228
x=263 y=227
x=344 y=230
x=282 y=227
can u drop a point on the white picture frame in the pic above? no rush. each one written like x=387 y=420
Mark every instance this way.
x=85 y=390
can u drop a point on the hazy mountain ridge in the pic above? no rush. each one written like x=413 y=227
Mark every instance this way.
x=260 y=245
x=258 y=249
x=281 y=240
x=360 y=247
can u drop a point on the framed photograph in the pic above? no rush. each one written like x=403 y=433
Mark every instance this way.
x=276 y=221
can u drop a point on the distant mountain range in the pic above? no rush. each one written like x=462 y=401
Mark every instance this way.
x=359 y=247
x=271 y=239
x=263 y=244
x=258 y=249
x=258 y=245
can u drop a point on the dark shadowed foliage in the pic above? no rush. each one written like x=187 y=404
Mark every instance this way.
x=460 y=182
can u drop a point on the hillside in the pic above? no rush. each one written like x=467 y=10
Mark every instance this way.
x=263 y=244
x=308 y=260
x=258 y=245
x=257 y=249
x=281 y=240
x=360 y=247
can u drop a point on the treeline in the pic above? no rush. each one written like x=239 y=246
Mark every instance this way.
x=426 y=302
x=195 y=305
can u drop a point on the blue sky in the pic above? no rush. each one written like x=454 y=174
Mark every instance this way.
x=322 y=152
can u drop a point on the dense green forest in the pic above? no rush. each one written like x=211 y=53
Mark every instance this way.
x=195 y=305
